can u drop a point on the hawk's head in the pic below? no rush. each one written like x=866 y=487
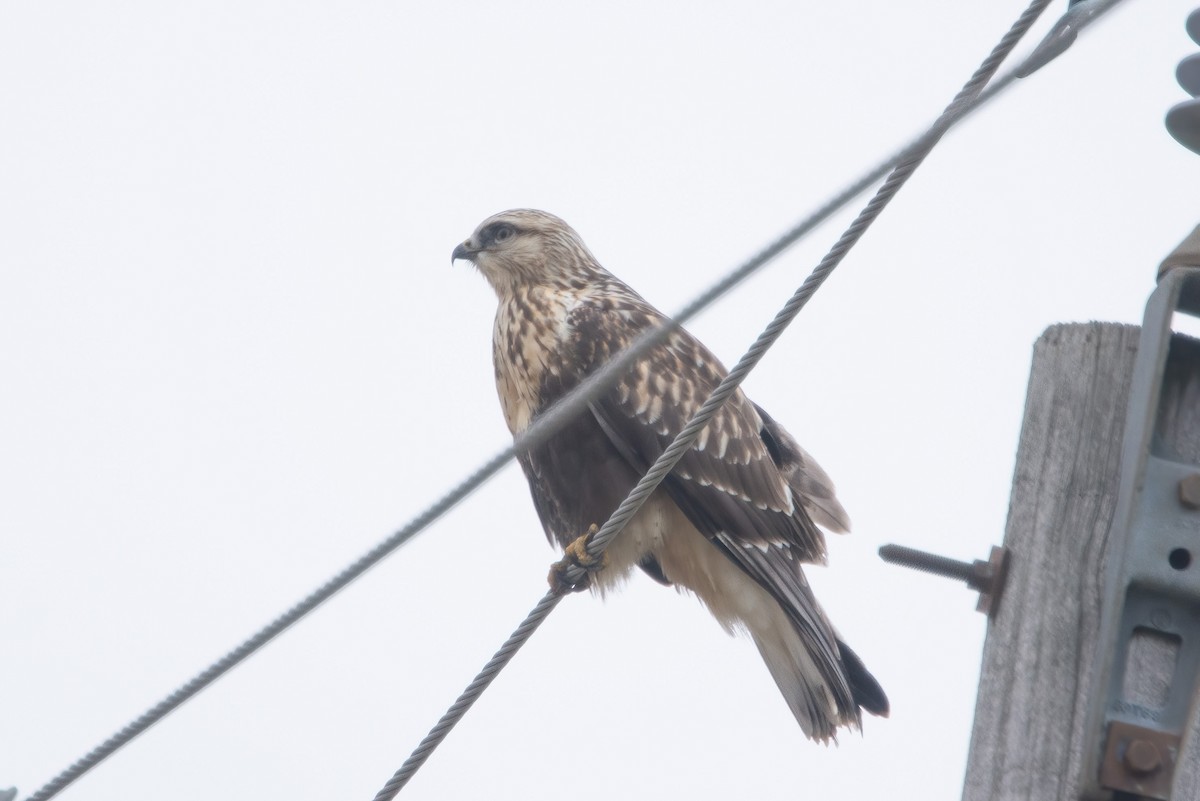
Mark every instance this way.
x=526 y=247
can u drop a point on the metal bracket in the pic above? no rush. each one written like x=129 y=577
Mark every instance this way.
x=1148 y=657
x=1139 y=760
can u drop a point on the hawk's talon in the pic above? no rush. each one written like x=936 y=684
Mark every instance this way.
x=576 y=555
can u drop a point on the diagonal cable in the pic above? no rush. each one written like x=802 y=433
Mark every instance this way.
x=554 y=419
x=969 y=98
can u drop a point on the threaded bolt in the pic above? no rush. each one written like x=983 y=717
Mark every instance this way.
x=986 y=577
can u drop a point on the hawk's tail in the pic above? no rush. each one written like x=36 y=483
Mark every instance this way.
x=866 y=690
x=764 y=593
x=824 y=691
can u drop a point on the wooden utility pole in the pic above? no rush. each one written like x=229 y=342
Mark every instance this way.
x=1033 y=735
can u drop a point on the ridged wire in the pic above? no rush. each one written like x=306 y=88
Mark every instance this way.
x=961 y=104
x=540 y=431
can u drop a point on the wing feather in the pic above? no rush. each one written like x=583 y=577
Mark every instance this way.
x=776 y=570
x=729 y=481
x=576 y=479
x=745 y=485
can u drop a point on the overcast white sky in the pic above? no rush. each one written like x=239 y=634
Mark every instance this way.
x=235 y=355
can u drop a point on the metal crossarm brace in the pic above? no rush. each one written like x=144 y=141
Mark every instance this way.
x=1148 y=657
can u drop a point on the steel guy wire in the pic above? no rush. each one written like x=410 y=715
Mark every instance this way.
x=540 y=431
x=969 y=98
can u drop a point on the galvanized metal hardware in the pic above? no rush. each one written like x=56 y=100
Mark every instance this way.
x=1079 y=14
x=1187 y=254
x=986 y=577
x=1148 y=646
x=1140 y=760
x=1189 y=491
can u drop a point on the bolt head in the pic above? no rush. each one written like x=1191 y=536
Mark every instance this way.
x=1142 y=757
x=1189 y=491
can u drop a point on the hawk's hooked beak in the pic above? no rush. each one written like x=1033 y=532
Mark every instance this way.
x=463 y=251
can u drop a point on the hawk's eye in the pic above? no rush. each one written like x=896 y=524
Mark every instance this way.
x=503 y=233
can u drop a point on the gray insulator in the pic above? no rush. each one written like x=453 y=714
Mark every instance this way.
x=1183 y=121
x=1188 y=75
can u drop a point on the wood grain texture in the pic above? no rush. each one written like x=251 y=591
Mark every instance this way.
x=1038 y=660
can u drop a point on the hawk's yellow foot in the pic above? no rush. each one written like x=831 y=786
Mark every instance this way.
x=576 y=555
